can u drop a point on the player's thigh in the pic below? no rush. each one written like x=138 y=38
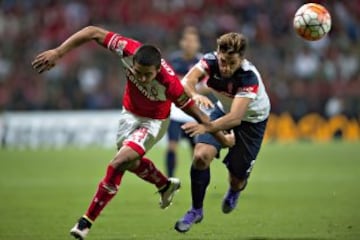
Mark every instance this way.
x=241 y=158
x=140 y=134
x=128 y=123
x=149 y=132
x=208 y=138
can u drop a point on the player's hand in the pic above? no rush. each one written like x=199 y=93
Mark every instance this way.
x=45 y=60
x=203 y=101
x=193 y=128
x=230 y=140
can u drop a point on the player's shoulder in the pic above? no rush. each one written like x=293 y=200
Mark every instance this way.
x=249 y=72
x=209 y=61
x=167 y=73
x=121 y=44
x=210 y=56
x=248 y=66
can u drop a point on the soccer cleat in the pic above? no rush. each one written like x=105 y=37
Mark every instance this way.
x=191 y=217
x=230 y=201
x=167 y=194
x=81 y=228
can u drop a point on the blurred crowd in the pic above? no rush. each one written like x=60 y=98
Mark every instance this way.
x=301 y=77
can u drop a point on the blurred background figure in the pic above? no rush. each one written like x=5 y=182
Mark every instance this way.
x=181 y=60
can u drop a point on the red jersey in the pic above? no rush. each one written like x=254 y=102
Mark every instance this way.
x=152 y=100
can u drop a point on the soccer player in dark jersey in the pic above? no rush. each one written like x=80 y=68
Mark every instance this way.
x=243 y=108
x=181 y=61
x=150 y=89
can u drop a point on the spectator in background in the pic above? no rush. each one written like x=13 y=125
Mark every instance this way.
x=306 y=63
x=181 y=60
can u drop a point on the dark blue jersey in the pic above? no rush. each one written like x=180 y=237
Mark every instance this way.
x=245 y=82
x=231 y=86
x=180 y=65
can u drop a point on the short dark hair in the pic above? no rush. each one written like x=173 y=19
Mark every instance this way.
x=232 y=43
x=148 y=55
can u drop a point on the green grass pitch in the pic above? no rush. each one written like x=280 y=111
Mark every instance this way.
x=298 y=191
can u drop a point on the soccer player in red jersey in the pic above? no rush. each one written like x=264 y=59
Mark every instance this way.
x=151 y=88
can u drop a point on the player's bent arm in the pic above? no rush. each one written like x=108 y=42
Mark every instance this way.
x=201 y=117
x=190 y=80
x=231 y=119
x=193 y=110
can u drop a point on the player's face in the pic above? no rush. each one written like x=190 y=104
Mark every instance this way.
x=144 y=74
x=228 y=63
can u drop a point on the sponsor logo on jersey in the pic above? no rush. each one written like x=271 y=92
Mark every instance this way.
x=154 y=91
x=142 y=89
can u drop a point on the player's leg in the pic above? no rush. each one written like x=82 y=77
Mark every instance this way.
x=108 y=186
x=149 y=132
x=200 y=179
x=106 y=190
x=241 y=159
x=206 y=149
x=173 y=135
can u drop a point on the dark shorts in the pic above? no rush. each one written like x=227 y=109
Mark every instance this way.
x=175 y=133
x=241 y=157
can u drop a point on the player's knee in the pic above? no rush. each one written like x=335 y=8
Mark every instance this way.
x=121 y=162
x=203 y=155
x=201 y=159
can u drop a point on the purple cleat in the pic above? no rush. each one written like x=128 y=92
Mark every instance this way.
x=191 y=217
x=230 y=201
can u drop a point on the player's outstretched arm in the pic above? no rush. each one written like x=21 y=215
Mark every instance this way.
x=47 y=59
